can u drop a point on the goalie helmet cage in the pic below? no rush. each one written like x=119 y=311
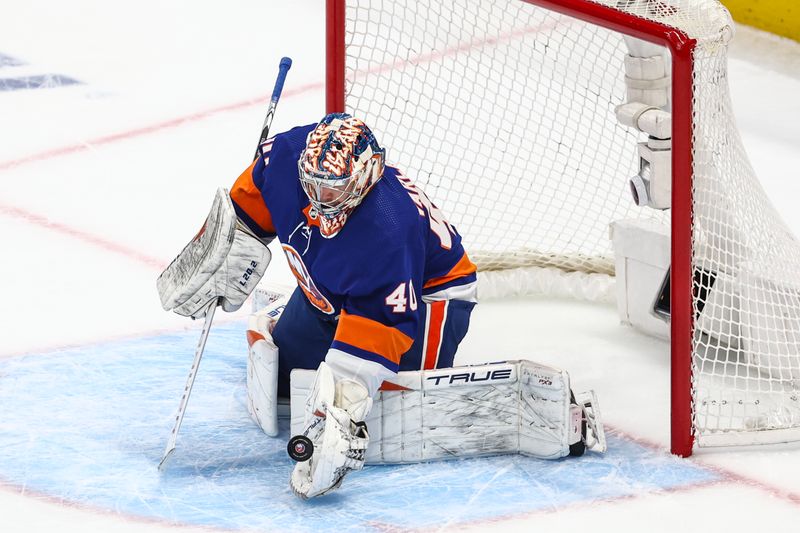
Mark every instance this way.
x=503 y=110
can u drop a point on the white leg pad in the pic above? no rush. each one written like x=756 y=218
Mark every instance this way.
x=262 y=368
x=513 y=407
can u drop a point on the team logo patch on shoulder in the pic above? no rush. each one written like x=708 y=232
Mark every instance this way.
x=305 y=282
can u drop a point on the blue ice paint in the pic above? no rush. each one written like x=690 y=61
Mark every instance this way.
x=89 y=424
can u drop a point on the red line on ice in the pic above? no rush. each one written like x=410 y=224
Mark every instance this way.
x=726 y=478
x=99 y=242
x=123 y=519
x=146 y=130
x=725 y=474
x=108 y=245
x=498 y=521
x=261 y=100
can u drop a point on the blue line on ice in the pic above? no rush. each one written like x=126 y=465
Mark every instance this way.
x=38 y=81
x=89 y=425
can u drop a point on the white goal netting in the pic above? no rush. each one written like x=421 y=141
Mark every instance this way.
x=504 y=113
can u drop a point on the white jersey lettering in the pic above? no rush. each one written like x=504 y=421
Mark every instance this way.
x=438 y=223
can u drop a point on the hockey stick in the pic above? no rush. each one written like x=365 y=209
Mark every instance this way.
x=283 y=69
x=187 y=389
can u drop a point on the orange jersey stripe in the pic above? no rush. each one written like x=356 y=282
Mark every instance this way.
x=387 y=385
x=464 y=267
x=253 y=337
x=372 y=336
x=247 y=196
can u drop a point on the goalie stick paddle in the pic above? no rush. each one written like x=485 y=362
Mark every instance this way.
x=283 y=69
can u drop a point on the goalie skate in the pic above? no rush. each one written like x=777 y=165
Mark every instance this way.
x=587 y=422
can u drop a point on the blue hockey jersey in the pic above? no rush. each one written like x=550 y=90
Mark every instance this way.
x=395 y=252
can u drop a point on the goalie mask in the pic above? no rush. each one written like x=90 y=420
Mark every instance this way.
x=342 y=161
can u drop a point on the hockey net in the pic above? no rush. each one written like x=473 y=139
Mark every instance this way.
x=504 y=112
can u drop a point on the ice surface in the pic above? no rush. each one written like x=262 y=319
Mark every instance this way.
x=89 y=425
x=103 y=182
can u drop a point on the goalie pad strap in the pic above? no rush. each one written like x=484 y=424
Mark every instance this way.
x=514 y=407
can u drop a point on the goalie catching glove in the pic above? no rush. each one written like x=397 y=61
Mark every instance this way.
x=334 y=422
x=224 y=262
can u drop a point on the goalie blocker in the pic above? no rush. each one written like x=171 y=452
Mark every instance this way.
x=498 y=408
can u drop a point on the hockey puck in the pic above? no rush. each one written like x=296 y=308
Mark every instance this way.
x=300 y=448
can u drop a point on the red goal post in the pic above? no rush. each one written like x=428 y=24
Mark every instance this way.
x=343 y=81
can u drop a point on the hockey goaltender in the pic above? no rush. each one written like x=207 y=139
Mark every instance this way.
x=364 y=346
